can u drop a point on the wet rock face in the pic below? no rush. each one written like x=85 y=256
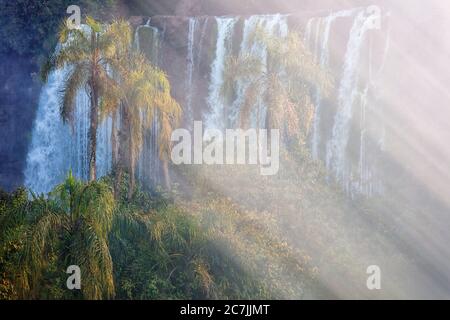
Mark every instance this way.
x=174 y=33
x=18 y=96
x=239 y=7
x=189 y=8
x=194 y=52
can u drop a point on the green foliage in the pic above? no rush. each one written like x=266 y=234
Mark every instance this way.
x=42 y=236
x=145 y=92
x=158 y=246
x=285 y=84
x=172 y=248
x=11 y=227
x=91 y=55
x=87 y=54
x=118 y=77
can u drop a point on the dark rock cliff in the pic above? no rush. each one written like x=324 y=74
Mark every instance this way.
x=19 y=94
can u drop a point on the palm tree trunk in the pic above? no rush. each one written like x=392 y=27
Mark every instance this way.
x=130 y=151
x=114 y=142
x=115 y=145
x=165 y=165
x=121 y=153
x=132 y=172
x=118 y=182
x=94 y=112
x=93 y=134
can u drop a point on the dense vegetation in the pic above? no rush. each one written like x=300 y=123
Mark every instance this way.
x=118 y=79
x=287 y=96
x=153 y=247
x=220 y=232
x=131 y=244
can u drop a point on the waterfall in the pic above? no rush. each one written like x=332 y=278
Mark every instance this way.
x=50 y=144
x=137 y=41
x=80 y=145
x=148 y=163
x=201 y=41
x=203 y=54
x=348 y=91
x=355 y=174
x=190 y=70
x=104 y=148
x=56 y=147
x=147 y=39
x=273 y=25
x=225 y=114
x=225 y=28
x=321 y=55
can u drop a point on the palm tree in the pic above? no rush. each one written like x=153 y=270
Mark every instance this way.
x=72 y=224
x=116 y=77
x=144 y=92
x=284 y=84
x=147 y=95
x=12 y=218
x=88 y=54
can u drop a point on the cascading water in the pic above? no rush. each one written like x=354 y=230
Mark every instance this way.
x=80 y=166
x=321 y=55
x=190 y=69
x=47 y=159
x=273 y=25
x=55 y=148
x=352 y=97
x=137 y=34
x=104 y=148
x=217 y=118
x=348 y=91
x=148 y=165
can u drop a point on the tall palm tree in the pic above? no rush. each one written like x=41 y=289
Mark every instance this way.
x=72 y=224
x=145 y=92
x=284 y=84
x=116 y=76
x=87 y=53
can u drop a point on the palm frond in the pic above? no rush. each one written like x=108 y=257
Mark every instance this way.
x=116 y=40
x=76 y=80
x=110 y=93
x=96 y=204
x=93 y=24
x=251 y=98
x=90 y=251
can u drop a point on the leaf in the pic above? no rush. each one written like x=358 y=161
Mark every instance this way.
x=63 y=35
x=91 y=22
